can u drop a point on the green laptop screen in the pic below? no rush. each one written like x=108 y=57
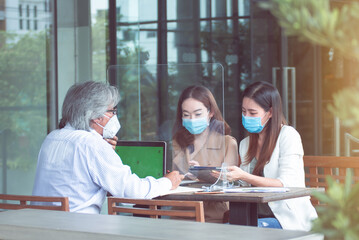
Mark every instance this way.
x=145 y=160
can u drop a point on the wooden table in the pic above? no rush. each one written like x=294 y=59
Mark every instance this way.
x=243 y=207
x=45 y=224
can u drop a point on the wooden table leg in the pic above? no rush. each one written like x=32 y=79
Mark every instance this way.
x=241 y=213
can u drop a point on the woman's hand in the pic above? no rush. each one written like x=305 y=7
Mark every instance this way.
x=193 y=163
x=234 y=173
x=112 y=141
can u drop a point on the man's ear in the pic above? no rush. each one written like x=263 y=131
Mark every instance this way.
x=97 y=120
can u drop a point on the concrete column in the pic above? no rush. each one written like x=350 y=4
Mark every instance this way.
x=74 y=45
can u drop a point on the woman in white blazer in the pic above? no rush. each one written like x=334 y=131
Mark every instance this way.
x=272 y=156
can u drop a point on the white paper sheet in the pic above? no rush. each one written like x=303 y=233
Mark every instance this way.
x=256 y=190
x=183 y=189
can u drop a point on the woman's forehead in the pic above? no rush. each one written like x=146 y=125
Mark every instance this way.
x=249 y=103
x=191 y=104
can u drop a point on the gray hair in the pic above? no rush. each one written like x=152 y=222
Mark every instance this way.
x=87 y=101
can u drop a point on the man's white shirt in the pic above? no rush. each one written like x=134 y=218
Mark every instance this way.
x=82 y=166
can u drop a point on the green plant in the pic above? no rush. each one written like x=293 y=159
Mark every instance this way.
x=320 y=22
x=346 y=107
x=338 y=217
x=326 y=23
x=23 y=91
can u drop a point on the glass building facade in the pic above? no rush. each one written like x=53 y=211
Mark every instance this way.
x=155 y=48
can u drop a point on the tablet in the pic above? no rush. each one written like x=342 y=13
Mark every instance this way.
x=196 y=168
x=203 y=173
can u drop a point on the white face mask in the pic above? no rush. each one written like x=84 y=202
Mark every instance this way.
x=111 y=128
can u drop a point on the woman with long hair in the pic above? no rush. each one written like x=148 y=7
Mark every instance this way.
x=201 y=138
x=272 y=156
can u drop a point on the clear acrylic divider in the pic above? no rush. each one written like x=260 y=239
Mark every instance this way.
x=148 y=109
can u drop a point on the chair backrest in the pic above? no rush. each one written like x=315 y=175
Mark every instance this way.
x=15 y=202
x=318 y=167
x=186 y=209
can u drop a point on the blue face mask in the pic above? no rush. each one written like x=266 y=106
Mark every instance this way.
x=195 y=126
x=253 y=124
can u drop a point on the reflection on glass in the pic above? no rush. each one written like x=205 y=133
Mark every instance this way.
x=148 y=43
x=194 y=31
x=127 y=32
x=219 y=8
x=243 y=7
x=147 y=10
x=128 y=10
x=99 y=23
x=172 y=56
x=204 y=9
x=171 y=9
x=25 y=75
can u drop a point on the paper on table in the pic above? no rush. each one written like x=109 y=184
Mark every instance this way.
x=256 y=190
x=183 y=189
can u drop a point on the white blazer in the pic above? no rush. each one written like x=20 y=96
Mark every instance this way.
x=286 y=165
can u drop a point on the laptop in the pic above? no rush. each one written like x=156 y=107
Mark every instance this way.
x=146 y=158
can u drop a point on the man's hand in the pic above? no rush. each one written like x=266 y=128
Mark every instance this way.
x=175 y=178
x=112 y=141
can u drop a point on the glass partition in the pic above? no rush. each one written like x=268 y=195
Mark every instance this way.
x=189 y=32
x=149 y=98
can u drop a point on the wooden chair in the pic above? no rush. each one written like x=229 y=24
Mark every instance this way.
x=188 y=209
x=318 y=167
x=15 y=202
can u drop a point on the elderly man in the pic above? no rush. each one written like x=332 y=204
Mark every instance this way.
x=75 y=160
